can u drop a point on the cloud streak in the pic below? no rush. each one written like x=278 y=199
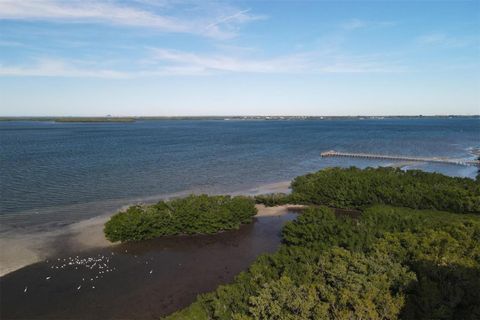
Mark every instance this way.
x=165 y=62
x=354 y=24
x=446 y=41
x=229 y=63
x=114 y=13
x=59 y=68
x=304 y=62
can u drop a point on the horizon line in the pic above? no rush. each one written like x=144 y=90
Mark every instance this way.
x=238 y=116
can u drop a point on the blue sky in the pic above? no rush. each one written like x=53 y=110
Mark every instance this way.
x=182 y=57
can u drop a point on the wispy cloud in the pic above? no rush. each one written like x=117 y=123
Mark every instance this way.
x=215 y=23
x=225 y=26
x=446 y=41
x=354 y=24
x=299 y=63
x=87 y=11
x=6 y=43
x=238 y=17
x=165 y=62
x=59 y=68
x=228 y=63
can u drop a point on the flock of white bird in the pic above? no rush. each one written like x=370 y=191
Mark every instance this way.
x=99 y=264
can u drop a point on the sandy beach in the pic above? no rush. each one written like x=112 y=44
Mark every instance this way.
x=277 y=210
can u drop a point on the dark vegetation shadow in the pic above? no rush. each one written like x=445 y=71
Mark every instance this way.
x=443 y=292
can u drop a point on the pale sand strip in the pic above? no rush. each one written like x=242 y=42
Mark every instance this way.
x=17 y=251
x=277 y=210
x=15 y=254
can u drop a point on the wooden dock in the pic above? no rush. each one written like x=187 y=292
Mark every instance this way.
x=461 y=162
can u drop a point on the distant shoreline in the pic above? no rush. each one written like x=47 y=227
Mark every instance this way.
x=227 y=118
x=100 y=119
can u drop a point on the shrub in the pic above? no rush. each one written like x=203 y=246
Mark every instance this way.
x=273 y=199
x=190 y=215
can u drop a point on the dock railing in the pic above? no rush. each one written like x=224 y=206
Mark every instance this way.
x=462 y=162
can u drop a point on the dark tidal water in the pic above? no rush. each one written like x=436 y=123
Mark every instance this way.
x=145 y=280
x=53 y=174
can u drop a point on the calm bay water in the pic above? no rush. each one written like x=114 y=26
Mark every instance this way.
x=58 y=173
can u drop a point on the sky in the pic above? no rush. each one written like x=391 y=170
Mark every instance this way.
x=205 y=57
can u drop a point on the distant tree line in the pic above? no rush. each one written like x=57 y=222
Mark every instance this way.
x=190 y=215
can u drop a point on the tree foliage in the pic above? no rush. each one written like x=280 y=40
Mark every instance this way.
x=390 y=263
x=273 y=199
x=405 y=257
x=189 y=215
x=357 y=188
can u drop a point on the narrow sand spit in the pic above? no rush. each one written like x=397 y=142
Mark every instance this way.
x=278 y=210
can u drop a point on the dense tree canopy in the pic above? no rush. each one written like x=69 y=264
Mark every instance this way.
x=189 y=215
x=357 y=188
x=391 y=263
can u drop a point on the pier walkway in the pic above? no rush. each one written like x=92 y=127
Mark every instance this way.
x=461 y=162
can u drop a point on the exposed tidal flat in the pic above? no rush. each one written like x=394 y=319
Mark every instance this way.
x=142 y=280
